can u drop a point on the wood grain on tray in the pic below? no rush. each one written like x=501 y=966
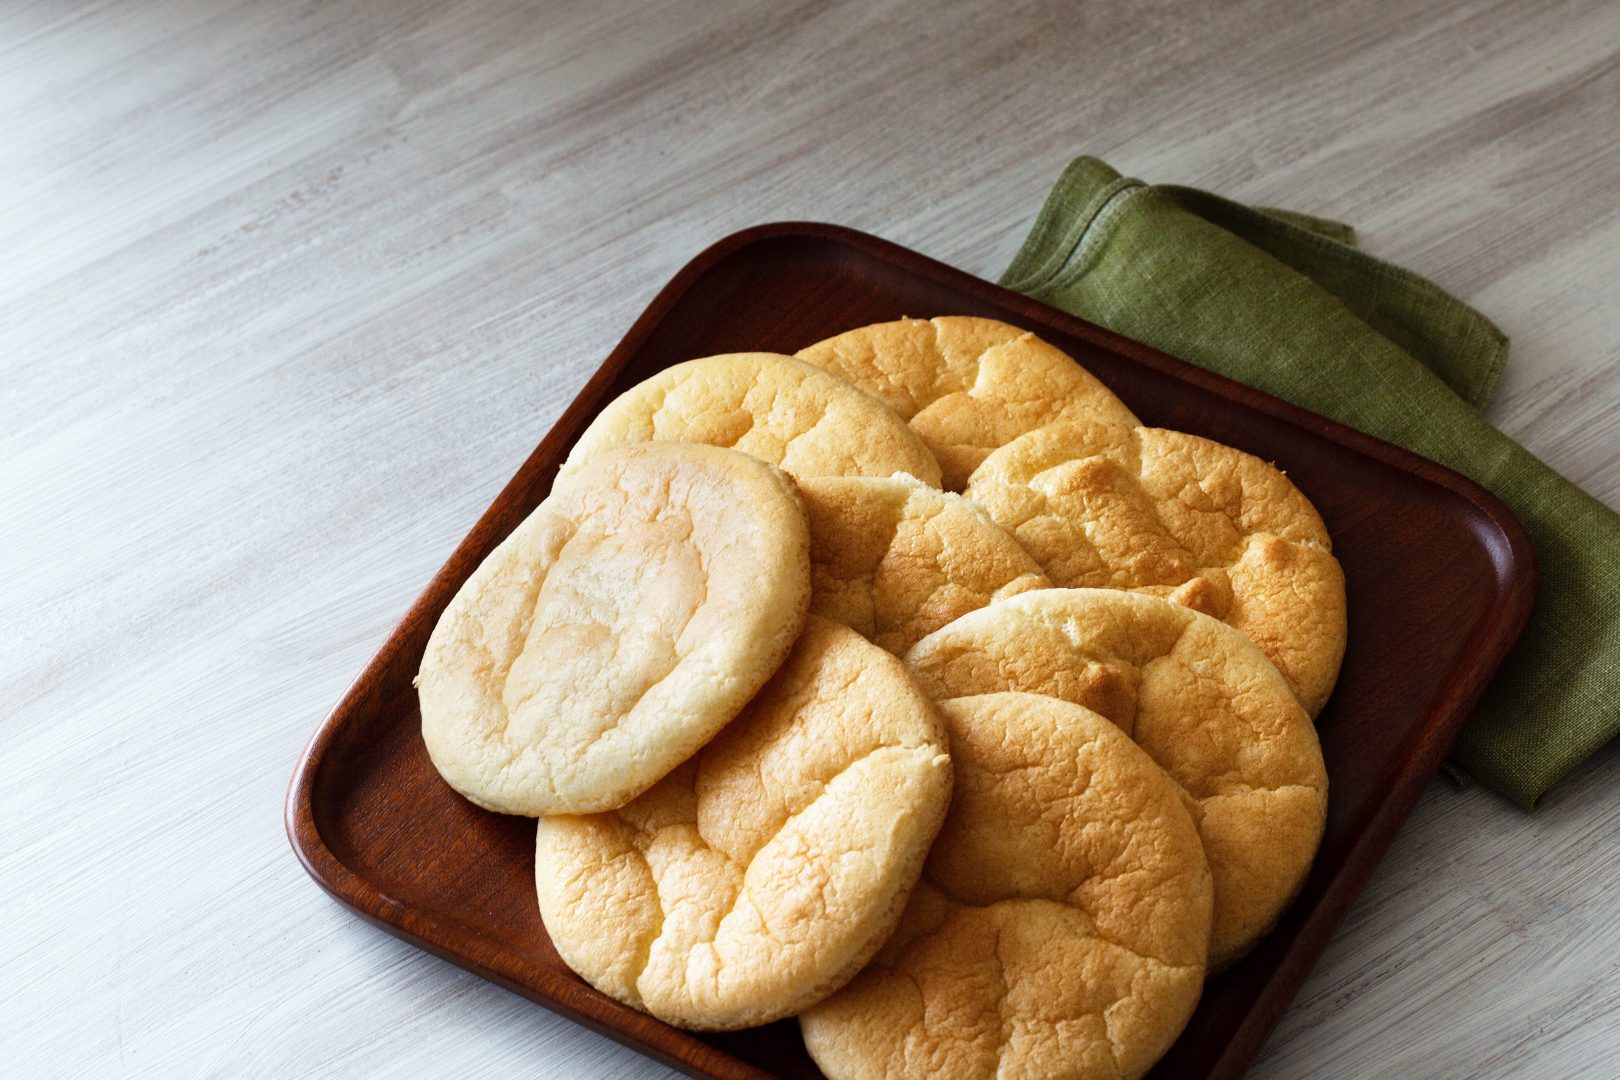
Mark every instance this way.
x=1439 y=576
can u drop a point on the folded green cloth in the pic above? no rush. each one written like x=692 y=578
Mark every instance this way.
x=1283 y=302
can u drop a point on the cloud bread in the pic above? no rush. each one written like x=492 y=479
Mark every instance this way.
x=761 y=875
x=1062 y=922
x=966 y=385
x=616 y=630
x=1196 y=695
x=896 y=559
x=1170 y=514
x=775 y=408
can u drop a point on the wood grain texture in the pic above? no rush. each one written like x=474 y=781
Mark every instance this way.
x=289 y=290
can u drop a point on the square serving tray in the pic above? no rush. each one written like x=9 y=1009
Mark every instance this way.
x=1440 y=579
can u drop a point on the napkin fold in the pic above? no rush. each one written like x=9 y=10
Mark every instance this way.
x=1284 y=302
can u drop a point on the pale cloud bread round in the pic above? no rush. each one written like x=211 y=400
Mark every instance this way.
x=1194 y=693
x=1175 y=515
x=896 y=559
x=617 y=629
x=761 y=875
x=1062 y=923
x=966 y=385
x=775 y=408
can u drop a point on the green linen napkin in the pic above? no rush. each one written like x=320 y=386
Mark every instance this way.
x=1283 y=302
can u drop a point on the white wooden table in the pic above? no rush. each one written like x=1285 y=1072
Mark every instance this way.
x=287 y=291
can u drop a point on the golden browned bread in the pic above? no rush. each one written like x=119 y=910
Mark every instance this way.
x=760 y=876
x=775 y=408
x=1194 y=693
x=896 y=559
x=616 y=630
x=1062 y=922
x=1171 y=514
x=966 y=385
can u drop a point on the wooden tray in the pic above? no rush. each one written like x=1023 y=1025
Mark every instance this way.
x=1440 y=579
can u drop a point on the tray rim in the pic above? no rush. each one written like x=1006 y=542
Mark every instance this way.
x=1489 y=641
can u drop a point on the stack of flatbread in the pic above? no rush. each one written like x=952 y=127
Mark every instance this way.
x=908 y=686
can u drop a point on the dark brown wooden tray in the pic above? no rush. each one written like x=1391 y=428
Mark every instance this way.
x=1440 y=579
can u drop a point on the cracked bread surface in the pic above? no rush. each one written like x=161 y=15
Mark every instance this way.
x=793 y=415
x=966 y=385
x=1061 y=926
x=762 y=874
x=617 y=629
x=1171 y=514
x=1196 y=695
x=895 y=559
